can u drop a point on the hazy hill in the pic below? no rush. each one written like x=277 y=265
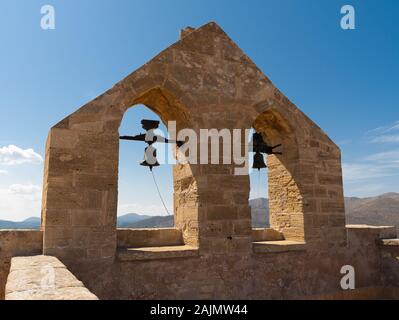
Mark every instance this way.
x=154 y=222
x=30 y=223
x=129 y=219
x=380 y=210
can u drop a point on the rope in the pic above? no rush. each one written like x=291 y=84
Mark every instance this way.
x=258 y=183
x=159 y=192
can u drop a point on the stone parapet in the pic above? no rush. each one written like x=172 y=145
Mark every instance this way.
x=17 y=243
x=43 y=278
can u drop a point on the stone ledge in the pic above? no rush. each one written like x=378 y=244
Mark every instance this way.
x=155 y=253
x=382 y=232
x=43 y=278
x=266 y=234
x=149 y=237
x=278 y=246
x=20 y=242
x=67 y=293
x=389 y=242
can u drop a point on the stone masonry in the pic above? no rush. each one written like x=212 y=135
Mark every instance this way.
x=43 y=278
x=205 y=81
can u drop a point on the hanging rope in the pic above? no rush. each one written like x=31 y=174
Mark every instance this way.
x=159 y=192
x=258 y=183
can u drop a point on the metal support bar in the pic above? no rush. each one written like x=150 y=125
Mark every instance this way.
x=155 y=138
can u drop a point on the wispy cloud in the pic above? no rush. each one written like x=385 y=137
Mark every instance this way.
x=387 y=134
x=374 y=173
x=386 y=139
x=25 y=189
x=20 y=201
x=391 y=156
x=381 y=164
x=3 y=172
x=385 y=129
x=360 y=170
x=13 y=155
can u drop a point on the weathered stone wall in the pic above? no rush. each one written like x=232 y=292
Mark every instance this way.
x=390 y=262
x=17 y=243
x=247 y=275
x=280 y=275
x=204 y=81
x=151 y=237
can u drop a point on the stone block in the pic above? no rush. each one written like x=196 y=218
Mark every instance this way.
x=221 y=212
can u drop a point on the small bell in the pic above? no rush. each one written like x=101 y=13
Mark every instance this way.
x=150 y=158
x=259 y=161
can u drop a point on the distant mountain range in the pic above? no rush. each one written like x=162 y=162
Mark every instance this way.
x=130 y=219
x=154 y=222
x=380 y=210
x=133 y=220
x=30 y=223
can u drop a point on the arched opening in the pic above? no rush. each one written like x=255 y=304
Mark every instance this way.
x=258 y=195
x=167 y=189
x=286 y=212
x=140 y=203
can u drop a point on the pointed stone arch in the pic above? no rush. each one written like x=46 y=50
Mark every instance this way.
x=305 y=183
x=286 y=210
x=81 y=172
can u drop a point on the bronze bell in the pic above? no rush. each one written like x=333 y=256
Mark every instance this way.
x=259 y=161
x=150 y=157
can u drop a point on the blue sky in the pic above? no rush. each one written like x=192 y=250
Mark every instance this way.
x=346 y=81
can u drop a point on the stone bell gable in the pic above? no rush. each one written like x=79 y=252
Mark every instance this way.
x=202 y=81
